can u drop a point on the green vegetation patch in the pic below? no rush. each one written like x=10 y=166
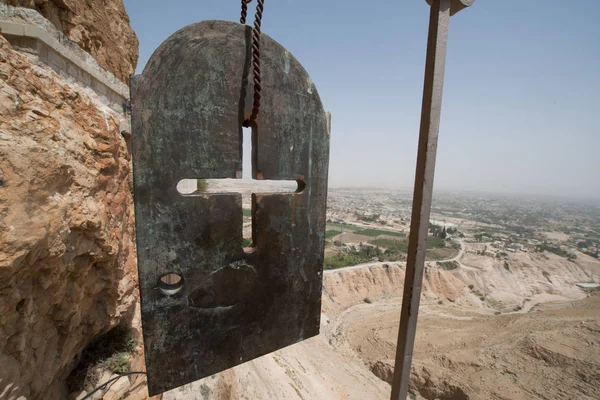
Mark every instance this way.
x=378 y=232
x=331 y=233
x=396 y=249
x=347 y=258
x=439 y=254
x=109 y=351
x=368 y=218
x=484 y=237
x=118 y=363
x=391 y=244
x=435 y=243
x=448 y=265
x=392 y=248
x=552 y=248
x=246 y=212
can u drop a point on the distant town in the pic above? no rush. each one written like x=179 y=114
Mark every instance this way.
x=367 y=225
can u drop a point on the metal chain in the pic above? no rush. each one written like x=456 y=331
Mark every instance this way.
x=255 y=52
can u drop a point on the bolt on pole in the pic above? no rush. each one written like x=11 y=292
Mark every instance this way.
x=428 y=136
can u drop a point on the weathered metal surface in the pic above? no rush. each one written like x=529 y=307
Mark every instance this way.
x=188 y=107
x=419 y=227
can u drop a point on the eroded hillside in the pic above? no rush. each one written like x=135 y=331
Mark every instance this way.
x=485 y=332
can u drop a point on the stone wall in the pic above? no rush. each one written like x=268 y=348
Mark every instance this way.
x=67 y=254
x=99 y=27
x=28 y=31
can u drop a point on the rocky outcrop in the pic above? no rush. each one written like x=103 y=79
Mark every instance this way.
x=67 y=262
x=349 y=286
x=433 y=387
x=384 y=370
x=100 y=27
x=346 y=287
x=480 y=281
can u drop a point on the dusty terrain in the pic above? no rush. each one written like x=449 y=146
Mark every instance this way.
x=485 y=332
x=551 y=353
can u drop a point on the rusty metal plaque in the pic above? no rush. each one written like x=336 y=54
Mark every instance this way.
x=208 y=304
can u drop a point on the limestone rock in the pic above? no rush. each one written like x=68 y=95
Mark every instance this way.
x=100 y=27
x=67 y=262
x=432 y=386
x=384 y=370
x=118 y=389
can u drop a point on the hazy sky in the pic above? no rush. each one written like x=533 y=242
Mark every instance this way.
x=521 y=108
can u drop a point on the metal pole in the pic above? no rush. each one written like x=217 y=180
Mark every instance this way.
x=428 y=137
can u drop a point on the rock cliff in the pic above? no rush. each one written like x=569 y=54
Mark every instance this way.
x=67 y=261
x=100 y=27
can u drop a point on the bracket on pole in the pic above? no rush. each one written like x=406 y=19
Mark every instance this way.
x=428 y=137
x=456 y=5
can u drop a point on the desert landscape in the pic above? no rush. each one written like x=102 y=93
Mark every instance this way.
x=496 y=325
x=510 y=304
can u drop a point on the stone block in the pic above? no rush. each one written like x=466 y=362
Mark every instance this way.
x=56 y=61
x=86 y=78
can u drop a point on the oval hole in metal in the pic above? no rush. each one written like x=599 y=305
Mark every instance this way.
x=170 y=284
x=189 y=186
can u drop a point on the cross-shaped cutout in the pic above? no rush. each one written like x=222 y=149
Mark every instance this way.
x=247 y=184
x=222 y=304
